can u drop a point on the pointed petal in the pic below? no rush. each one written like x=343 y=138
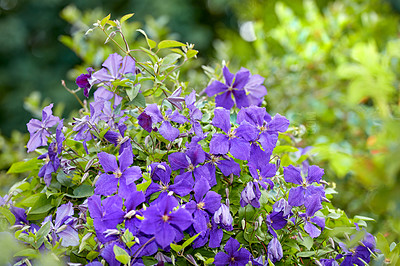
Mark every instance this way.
x=219 y=144
x=240 y=149
x=241 y=79
x=227 y=75
x=224 y=100
x=315 y=174
x=215 y=87
x=292 y=174
x=106 y=185
x=178 y=160
x=241 y=99
x=222 y=119
x=168 y=131
x=296 y=196
x=312 y=230
x=108 y=161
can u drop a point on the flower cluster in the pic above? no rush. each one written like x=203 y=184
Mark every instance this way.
x=137 y=184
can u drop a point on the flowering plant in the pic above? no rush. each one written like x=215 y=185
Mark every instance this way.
x=152 y=172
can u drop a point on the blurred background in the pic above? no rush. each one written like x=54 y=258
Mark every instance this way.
x=332 y=66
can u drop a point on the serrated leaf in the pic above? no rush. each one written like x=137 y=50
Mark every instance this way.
x=121 y=255
x=8 y=215
x=175 y=247
x=170 y=43
x=105 y=20
x=150 y=42
x=126 y=17
x=21 y=167
x=189 y=241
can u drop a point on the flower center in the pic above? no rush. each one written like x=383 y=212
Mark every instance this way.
x=118 y=173
x=200 y=205
x=231 y=134
x=165 y=218
x=191 y=167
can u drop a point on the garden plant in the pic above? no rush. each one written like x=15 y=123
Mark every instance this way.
x=153 y=172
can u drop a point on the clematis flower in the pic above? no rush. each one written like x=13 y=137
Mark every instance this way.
x=152 y=115
x=262 y=176
x=165 y=223
x=255 y=90
x=195 y=114
x=204 y=205
x=299 y=195
x=63 y=226
x=113 y=68
x=234 y=254
x=275 y=252
x=83 y=81
x=107 y=183
x=250 y=195
x=235 y=141
x=39 y=130
x=233 y=86
x=223 y=217
x=106 y=214
x=356 y=255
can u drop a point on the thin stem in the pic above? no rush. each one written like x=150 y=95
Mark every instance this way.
x=73 y=93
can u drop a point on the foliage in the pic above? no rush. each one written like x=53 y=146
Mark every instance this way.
x=180 y=180
x=335 y=69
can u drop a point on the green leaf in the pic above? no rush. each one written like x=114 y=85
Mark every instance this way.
x=305 y=254
x=126 y=17
x=382 y=244
x=285 y=148
x=307 y=242
x=43 y=231
x=191 y=53
x=139 y=101
x=363 y=218
x=170 y=43
x=83 y=191
x=171 y=59
x=29 y=252
x=209 y=261
x=21 y=167
x=132 y=92
x=121 y=255
x=175 y=247
x=105 y=20
x=64 y=179
x=150 y=42
x=143 y=186
x=189 y=241
x=8 y=214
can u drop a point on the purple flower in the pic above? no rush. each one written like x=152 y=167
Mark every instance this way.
x=106 y=214
x=165 y=223
x=262 y=176
x=234 y=85
x=329 y=262
x=235 y=141
x=275 y=221
x=52 y=162
x=152 y=115
x=227 y=167
x=255 y=90
x=175 y=98
x=223 y=217
x=83 y=81
x=132 y=219
x=250 y=195
x=195 y=114
x=161 y=175
x=205 y=203
x=301 y=194
x=310 y=222
x=114 y=174
x=39 y=130
x=354 y=255
x=275 y=252
x=113 y=69
x=63 y=226
x=234 y=255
